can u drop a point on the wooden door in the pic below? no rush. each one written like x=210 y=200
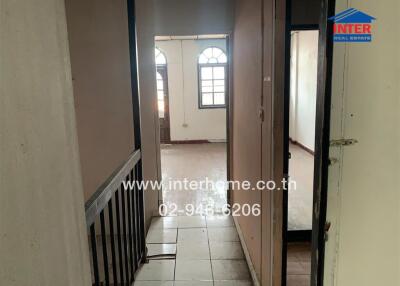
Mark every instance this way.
x=163 y=104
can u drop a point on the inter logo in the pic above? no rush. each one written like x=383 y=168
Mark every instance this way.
x=352 y=25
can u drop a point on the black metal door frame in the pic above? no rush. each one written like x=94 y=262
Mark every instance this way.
x=322 y=128
x=229 y=114
x=136 y=101
x=306 y=234
x=322 y=137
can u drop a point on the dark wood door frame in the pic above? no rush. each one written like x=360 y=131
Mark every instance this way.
x=164 y=122
x=321 y=159
x=322 y=130
x=229 y=114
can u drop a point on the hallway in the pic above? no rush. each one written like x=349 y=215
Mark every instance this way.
x=83 y=114
x=207 y=249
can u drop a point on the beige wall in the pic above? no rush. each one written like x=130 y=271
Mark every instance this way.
x=99 y=42
x=42 y=222
x=247 y=92
x=182 y=17
x=303 y=87
x=148 y=102
x=258 y=60
x=99 y=47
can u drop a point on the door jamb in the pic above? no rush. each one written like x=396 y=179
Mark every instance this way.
x=164 y=69
x=322 y=128
x=322 y=137
x=134 y=74
x=229 y=115
x=286 y=107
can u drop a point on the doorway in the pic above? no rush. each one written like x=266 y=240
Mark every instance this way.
x=303 y=91
x=308 y=245
x=301 y=139
x=193 y=240
x=193 y=100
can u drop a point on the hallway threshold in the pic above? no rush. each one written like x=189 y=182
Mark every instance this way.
x=194 y=251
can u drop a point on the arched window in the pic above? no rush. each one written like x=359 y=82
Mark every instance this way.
x=212 y=78
x=160 y=57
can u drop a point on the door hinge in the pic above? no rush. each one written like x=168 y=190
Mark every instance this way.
x=342 y=142
x=328 y=225
x=333 y=161
x=261 y=114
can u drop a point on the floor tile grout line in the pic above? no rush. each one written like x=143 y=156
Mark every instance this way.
x=176 y=254
x=209 y=250
x=207 y=228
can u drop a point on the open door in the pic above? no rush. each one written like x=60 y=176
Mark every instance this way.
x=322 y=137
x=163 y=104
x=356 y=238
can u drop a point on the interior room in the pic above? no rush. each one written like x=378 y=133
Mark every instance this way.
x=191 y=90
x=303 y=95
x=302 y=113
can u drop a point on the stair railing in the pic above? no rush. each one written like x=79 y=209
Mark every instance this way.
x=115 y=220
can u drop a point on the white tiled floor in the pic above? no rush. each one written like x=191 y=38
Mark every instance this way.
x=193 y=250
x=223 y=234
x=230 y=270
x=154 y=283
x=160 y=235
x=191 y=221
x=161 y=249
x=193 y=270
x=193 y=235
x=226 y=250
x=219 y=221
x=193 y=283
x=164 y=222
x=232 y=283
x=157 y=270
x=208 y=253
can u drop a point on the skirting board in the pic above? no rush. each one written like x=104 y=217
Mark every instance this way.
x=246 y=254
x=308 y=150
x=189 y=142
x=217 y=141
x=195 y=141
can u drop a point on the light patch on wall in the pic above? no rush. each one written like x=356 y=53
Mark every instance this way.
x=303 y=87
